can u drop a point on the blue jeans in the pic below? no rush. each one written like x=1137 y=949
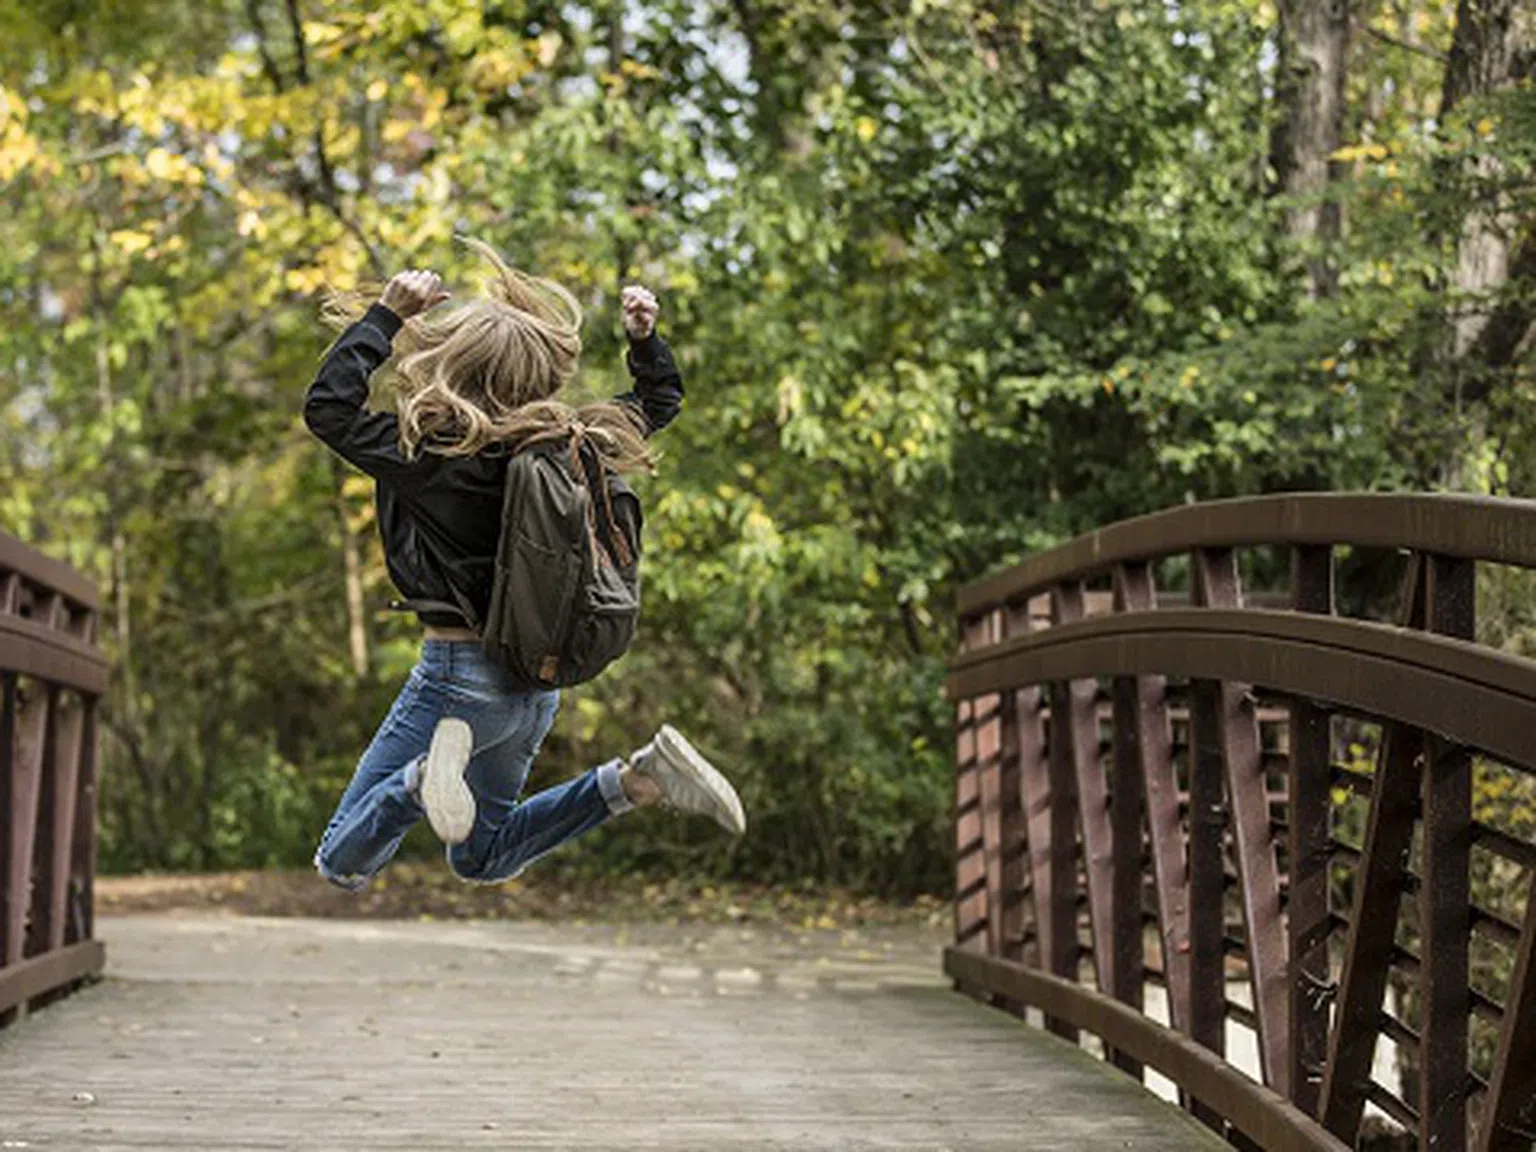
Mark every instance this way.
x=380 y=805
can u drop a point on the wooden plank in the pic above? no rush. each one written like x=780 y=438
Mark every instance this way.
x=43 y=570
x=1127 y=805
x=1373 y=922
x=1380 y=880
x=56 y=657
x=1207 y=886
x=1270 y=1120
x=1469 y=693
x=1509 y=1110
x=1092 y=800
x=82 y=865
x=61 y=785
x=1236 y=732
x=969 y=865
x=1067 y=706
x=1035 y=793
x=1445 y=896
x=30 y=706
x=1023 y=738
x=1474 y=527
x=1308 y=828
x=1160 y=794
x=13 y=882
x=987 y=720
x=231 y=1033
x=30 y=979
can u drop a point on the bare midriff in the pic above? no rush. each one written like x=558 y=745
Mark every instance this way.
x=452 y=635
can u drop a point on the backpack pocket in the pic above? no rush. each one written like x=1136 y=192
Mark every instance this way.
x=602 y=634
x=537 y=586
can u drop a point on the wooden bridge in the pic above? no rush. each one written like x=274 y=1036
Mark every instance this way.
x=1276 y=862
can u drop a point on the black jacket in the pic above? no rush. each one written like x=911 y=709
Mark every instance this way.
x=440 y=516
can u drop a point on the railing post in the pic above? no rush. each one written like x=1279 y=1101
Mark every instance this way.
x=1379 y=883
x=987 y=721
x=970 y=859
x=1073 y=738
x=1023 y=749
x=1143 y=736
x=82 y=858
x=1445 y=890
x=1308 y=821
x=26 y=729
x=61 y=788
x=1090 y=789
x=1231 y=720
x=1509 y=1112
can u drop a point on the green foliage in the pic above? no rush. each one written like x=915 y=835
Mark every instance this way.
x=950 y=280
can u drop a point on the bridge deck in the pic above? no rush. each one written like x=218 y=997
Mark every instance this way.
x=222 y=1033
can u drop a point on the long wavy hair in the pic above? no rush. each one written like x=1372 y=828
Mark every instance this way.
x=483 y=370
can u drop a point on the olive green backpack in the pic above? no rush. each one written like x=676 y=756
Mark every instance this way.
x=565 y=601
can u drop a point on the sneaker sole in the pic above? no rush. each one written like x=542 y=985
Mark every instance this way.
x=449 y=803
x=728 y=810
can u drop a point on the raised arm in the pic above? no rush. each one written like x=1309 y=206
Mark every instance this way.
x=658 y=390
x=336 y=406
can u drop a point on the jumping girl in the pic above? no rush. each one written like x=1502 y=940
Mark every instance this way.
x=473 y=380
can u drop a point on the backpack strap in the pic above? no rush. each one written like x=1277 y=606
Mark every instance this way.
x=592 y=469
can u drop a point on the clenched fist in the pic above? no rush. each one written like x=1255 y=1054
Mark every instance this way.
x=640 y=309
x=408 y=293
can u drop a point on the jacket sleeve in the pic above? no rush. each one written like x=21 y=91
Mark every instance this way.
x=336 y=407
x=658 y=390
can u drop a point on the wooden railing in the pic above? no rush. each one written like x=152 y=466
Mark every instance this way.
x=1181 y=820
x=52 y=678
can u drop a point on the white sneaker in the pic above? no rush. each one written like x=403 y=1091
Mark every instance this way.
x=444 y=794
x=688 y=782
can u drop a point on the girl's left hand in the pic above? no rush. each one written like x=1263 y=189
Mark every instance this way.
x=409 y=293
x=640 y=311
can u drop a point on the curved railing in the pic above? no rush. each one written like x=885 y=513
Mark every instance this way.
x=51 y=679
x=1151 y=799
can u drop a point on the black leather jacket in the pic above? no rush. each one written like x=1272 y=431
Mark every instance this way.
x=440 y=516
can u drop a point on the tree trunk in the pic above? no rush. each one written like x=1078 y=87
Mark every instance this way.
x=623 y=251
x=1492 y=47
x=352 y=570
x=1314 y=60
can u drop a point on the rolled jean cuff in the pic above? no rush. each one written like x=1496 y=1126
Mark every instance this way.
x=610 y=788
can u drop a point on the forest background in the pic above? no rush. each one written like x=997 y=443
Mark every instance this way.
x=950 y=280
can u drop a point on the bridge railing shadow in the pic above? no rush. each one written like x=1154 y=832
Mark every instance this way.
x=1163 y=797
x=52 y=677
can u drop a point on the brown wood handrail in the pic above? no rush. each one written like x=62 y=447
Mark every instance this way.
x=1445 y=524
x=52 y=677
x=1059 y=833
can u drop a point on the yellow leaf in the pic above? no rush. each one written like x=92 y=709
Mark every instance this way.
x=377 y=90
x=130 y=241
x=867 y=127
x=1329 y=364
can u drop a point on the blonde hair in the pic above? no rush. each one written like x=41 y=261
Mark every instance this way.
x=484 y=370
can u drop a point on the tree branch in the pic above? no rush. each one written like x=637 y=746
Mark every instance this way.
x=259 y=27
x=324 y=190
x=300 y=50
x=1405 y=45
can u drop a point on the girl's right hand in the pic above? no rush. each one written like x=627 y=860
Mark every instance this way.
x=640 y=310
x=408 y=293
